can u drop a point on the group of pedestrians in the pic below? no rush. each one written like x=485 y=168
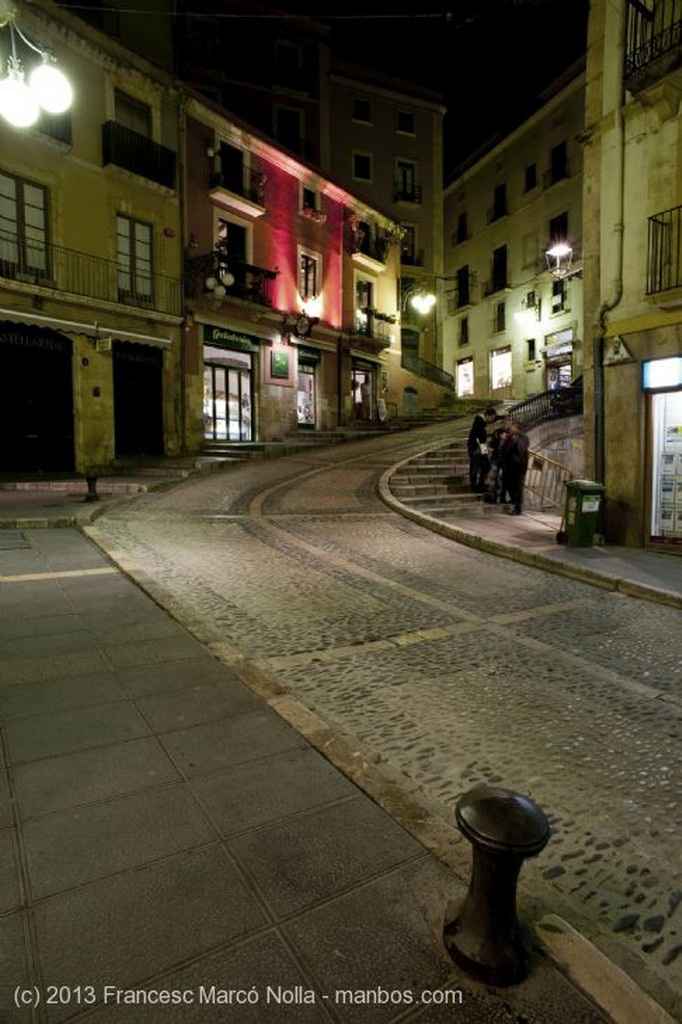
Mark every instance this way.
x=498 y=459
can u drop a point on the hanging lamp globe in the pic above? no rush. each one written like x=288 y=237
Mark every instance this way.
x=18 y=104
x=51 y=87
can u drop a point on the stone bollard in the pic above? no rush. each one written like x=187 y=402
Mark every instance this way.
x=487 y=939
x=91 y=481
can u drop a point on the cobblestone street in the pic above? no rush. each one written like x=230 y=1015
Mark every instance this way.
x=445 y=667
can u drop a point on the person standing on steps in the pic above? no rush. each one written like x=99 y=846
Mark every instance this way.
x=514 y=453
x=477 y=448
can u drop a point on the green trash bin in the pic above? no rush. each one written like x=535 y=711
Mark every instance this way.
x=583 y=512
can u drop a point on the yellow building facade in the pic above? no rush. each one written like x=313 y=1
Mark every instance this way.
x=632 y=202
x=90 y=261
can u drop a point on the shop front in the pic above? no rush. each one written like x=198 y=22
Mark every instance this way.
x=662 y=384
x=558 y=353
x=36 y=399
x=228 y=407
x=306 y=390
x=138 y=399
x=363 y=390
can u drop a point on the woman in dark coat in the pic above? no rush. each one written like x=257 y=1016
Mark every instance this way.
x=514 y=454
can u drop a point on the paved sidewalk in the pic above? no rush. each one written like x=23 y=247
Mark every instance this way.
x=162 y=830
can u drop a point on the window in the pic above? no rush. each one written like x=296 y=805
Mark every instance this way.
x=288 y=54
x=408 y=252
x=289 y=129
x=464 y=331
x=558 y=163
x=308 y=275
x=501 y=368
x=406 y=188
x=310 y=199
x=23 y=227
x=134 y=261
x=463 y=279
x=558 y=229
x=499 y=281
x=363 y=305
x=405 y=123
x=232 y=168
x=362 y=166
x=465 y=378
x=288 y=60
x=132 y=114
x=462 y=227
x=362 y=111
x=530 y=349
x=559 y=296
x=231 y=240
x=499 y=202
x=530 y=178
x=500 y=316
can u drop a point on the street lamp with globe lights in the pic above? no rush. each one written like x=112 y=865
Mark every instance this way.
x=47 y=88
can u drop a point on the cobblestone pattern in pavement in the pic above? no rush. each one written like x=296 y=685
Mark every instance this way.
x=449 y=666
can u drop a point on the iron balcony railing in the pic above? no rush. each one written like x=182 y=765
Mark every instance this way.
x=249 y=184
x=403 y=193
x=664 y=258
x=429 y=371
x=375 y=326
x=137 y=153
x=652 y=31
x=68 y=271
x=412 y=257
x=237 y=279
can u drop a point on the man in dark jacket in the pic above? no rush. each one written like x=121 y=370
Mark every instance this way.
x=479 y=463
x=514 y=454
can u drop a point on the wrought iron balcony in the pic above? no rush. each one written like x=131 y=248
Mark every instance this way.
x=74 y=273
x=137 y=153
x=403 y=193
x=653 y=46
x=222 y=276
x=412 y=257
x=664 y=257
x=372 y=324
x=248 y=185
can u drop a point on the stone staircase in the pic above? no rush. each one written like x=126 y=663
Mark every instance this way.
x=436 y=482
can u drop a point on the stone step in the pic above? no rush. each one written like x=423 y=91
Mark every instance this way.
x=427 y=502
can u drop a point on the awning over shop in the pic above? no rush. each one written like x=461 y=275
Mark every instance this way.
x=97 y=330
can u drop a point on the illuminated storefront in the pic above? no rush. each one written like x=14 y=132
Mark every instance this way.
x=228 y=385
x=662 y=380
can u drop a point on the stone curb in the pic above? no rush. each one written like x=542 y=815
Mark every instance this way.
x=517 y=554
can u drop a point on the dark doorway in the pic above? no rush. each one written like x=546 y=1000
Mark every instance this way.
x=138 y=399
x=36 y=400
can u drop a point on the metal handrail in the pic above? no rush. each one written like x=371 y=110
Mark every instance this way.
x=428 y=370
x=549 y=405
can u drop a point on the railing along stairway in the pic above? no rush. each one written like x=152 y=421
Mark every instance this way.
x=436 y=482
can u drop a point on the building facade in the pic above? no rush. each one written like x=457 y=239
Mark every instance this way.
x=385 y=142
x=513 y=328
x=90 y=261
x=633 y=268
x=291 y=287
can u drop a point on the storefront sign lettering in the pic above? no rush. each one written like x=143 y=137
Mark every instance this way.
x=230 y=339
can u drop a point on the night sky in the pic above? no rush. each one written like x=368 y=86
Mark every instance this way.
x=489 y=59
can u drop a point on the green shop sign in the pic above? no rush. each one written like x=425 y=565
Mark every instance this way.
x=229 y=339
